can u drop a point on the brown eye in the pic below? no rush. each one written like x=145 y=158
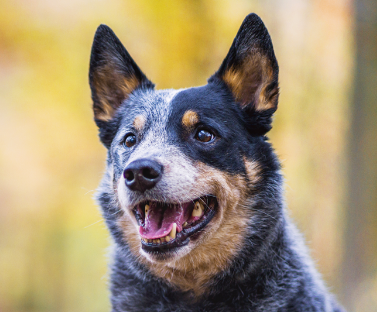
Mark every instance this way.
x=130 y=140
x=204 y=136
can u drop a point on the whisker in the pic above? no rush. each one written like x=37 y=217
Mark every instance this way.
x=101 y=220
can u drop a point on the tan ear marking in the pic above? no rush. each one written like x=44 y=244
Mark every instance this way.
x=129 y=85
x=250 y=80
x=105 y=112
x=190 y=118
x=112 y=89
x=139 y=122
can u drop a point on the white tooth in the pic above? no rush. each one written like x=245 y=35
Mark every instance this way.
x=167 y=238
x=198 y=210
x=146 y=210
x=173 y=231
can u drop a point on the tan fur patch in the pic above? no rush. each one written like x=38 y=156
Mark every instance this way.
x=190 y=118
x=139 y=122
x=248 y=83
x=253 y=171
x=217 y=246
x=112 y=89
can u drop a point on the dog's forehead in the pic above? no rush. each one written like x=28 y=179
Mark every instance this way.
x=158 y=110
x=151 y=105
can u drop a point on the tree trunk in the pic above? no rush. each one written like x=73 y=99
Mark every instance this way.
x=360 y=265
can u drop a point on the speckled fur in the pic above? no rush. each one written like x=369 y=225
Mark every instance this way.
x=250 y=257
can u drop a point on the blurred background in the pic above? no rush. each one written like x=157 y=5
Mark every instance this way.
x=53 y=242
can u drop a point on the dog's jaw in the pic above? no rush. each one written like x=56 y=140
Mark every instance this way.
x=191 y=266
x=213 y=212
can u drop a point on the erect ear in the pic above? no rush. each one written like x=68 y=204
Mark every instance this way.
x=113 y=75
x=250 y=71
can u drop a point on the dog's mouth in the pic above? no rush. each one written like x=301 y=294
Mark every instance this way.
x=166 y=226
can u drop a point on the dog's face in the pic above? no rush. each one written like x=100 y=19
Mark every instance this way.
x=183 y=164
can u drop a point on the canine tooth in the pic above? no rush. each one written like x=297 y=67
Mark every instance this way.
x=146 y=210
x=185 y=224
x=198 y=210
x=173 y=231
x=167 y=238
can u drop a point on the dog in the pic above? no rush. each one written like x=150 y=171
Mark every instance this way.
x=192 y=193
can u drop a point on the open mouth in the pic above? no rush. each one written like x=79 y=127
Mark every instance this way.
x=166 y=226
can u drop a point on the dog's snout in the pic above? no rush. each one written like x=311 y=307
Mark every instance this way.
x=142 y=174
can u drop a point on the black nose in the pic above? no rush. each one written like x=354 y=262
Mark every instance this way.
x=142 y=174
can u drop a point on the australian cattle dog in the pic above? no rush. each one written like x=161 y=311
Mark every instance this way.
x=192 y=193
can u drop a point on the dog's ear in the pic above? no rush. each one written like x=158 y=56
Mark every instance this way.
x=113 y=75
x=250 y=71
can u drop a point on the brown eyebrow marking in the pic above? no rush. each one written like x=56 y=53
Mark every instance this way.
x=139 y=122
x=190 y=118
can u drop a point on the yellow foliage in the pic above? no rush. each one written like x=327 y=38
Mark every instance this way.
x=53 y=240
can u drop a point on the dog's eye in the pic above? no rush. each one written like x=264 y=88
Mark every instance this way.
x=204 y=136
x=130 y=140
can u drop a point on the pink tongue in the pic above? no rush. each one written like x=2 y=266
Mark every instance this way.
x=160 y=219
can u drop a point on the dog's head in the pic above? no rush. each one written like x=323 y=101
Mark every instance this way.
x=185 y=166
